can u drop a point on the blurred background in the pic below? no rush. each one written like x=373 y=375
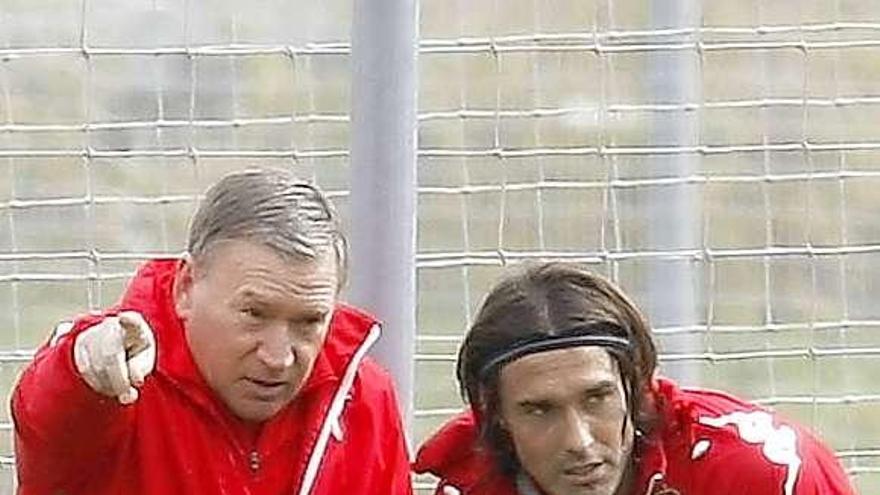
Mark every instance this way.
x=720 y=160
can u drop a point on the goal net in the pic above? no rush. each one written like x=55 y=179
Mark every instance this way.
x=717 y=159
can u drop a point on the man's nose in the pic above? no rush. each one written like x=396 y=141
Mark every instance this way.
x=276 y=349
x=577 y=435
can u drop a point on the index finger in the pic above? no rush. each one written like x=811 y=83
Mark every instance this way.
x=116 y=373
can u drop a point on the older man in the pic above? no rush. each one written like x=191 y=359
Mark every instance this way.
x=233 y=370
x=559 y=370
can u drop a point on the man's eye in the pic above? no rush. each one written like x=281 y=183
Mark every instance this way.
x=309 y=321
x=536 y=411
x=316 y=320
x=252 y=312
x=600 y=397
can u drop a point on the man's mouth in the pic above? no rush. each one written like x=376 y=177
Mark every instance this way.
x=585 y=474
x=266 y=389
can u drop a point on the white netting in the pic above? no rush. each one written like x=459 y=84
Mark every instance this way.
x=722 y=167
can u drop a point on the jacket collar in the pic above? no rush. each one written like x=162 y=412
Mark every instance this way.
x=455 y=455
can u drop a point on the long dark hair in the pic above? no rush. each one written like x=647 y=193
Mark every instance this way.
x=551 y=299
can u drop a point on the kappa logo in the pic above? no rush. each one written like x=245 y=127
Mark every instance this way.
x=664 y=489
x=778 y=444
x=658 y=486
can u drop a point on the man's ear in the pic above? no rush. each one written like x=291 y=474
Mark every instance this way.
x=183 y=286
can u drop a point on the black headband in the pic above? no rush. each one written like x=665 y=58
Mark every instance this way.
x=573 y=337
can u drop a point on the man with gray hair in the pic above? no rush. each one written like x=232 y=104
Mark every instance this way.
x=232 y=370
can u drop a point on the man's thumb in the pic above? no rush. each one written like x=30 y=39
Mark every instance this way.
x=134 y=337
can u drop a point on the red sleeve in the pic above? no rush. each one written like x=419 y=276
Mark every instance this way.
x=821 y=472
x=62 y=426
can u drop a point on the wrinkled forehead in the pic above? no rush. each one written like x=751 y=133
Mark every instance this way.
x=559 y=372
x=238 y=261
x=243 y=249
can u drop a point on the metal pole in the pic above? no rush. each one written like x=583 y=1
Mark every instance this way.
x=383 y=179
x=672 y=212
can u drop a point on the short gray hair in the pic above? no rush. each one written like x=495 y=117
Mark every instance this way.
x=271 y=207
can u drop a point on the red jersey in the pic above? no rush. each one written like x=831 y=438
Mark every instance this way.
x=705 y=443
x=341 y=434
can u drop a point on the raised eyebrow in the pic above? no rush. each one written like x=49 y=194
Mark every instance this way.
x=317 y=314
x=250 y=295
x=255 y=298
x=601 y=386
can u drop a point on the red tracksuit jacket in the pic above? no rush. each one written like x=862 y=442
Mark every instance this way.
x=707 y=443
x=341 y=435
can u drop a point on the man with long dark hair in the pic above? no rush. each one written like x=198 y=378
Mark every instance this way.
x=559 y=370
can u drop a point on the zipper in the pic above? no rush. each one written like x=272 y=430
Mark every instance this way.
x=254 y=459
